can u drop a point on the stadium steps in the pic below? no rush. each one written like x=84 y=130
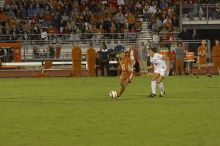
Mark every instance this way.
x=2 y=3
x=145 y=34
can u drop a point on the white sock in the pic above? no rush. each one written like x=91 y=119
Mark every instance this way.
x=153 y=87
x=161 y=87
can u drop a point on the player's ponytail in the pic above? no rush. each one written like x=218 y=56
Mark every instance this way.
x=153 y=49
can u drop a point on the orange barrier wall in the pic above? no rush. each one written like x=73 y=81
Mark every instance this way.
x=17 y=50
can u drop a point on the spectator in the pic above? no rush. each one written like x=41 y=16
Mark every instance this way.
x=202 y=54
x=58 y=49
x=167 y=23
x=179 y=55
x=104 y=59
x=153 y=8
x=159 y=24
x=194 y=46
x=36 y=52
x=91 y=60
x=131 y=21
x=168 y=39
x=107 y=25
x=142 y=55
x=156 y=39
x=44 y=34
x=51 y=51
x=98 y=61
x=119 y=48
x=138 y=7
x=217 y=11
x=146 y=13
x=58 y=15
x=27 y=26
x=201 y=13
x=76 y=60
x=215 y=55
x=184 y=34
x=119 y=21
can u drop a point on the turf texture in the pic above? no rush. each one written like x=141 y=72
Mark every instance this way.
x=79 y=112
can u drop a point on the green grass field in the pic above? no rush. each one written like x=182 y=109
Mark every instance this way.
x=78 y=112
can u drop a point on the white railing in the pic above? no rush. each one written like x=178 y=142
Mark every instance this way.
x=66 y=41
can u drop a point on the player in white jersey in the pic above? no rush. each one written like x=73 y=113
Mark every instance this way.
x=161 y=69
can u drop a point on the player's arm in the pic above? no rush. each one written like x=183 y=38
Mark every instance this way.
x=205 y=51
x=131 y=64
x=200 y=51
x=166 y=59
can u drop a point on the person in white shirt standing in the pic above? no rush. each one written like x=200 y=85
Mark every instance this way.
x=160 y=66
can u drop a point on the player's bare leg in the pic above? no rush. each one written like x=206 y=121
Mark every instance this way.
x=218 y=70
x=153 y=84
x=122 y=90
x=207 y=71
x=161 y=86
x=123 y=86
x=198 y=70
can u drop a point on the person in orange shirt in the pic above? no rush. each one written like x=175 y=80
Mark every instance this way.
x=126 y=72
x=0 y=62
x=131 y=20
x=76 y=60
x=91 y=60
x=202 y=52
x=215 y=55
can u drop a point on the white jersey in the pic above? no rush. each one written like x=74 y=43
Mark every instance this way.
x=157 y=61
x=159 y=64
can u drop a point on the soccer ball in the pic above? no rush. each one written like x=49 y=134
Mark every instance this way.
x=113 y=94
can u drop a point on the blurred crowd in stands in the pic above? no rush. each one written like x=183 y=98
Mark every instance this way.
x=80 y=18
x=75 y=17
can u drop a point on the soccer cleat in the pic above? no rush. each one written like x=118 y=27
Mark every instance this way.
x=209 y=75
x=152 y=95
x=118 y=95
x=162 y=94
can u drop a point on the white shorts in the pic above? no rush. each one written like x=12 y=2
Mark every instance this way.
x=162 y=72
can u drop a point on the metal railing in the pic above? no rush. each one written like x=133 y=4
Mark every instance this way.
x=69 y=38
x=200 y=14
x=43 y=47
x=37 y=48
